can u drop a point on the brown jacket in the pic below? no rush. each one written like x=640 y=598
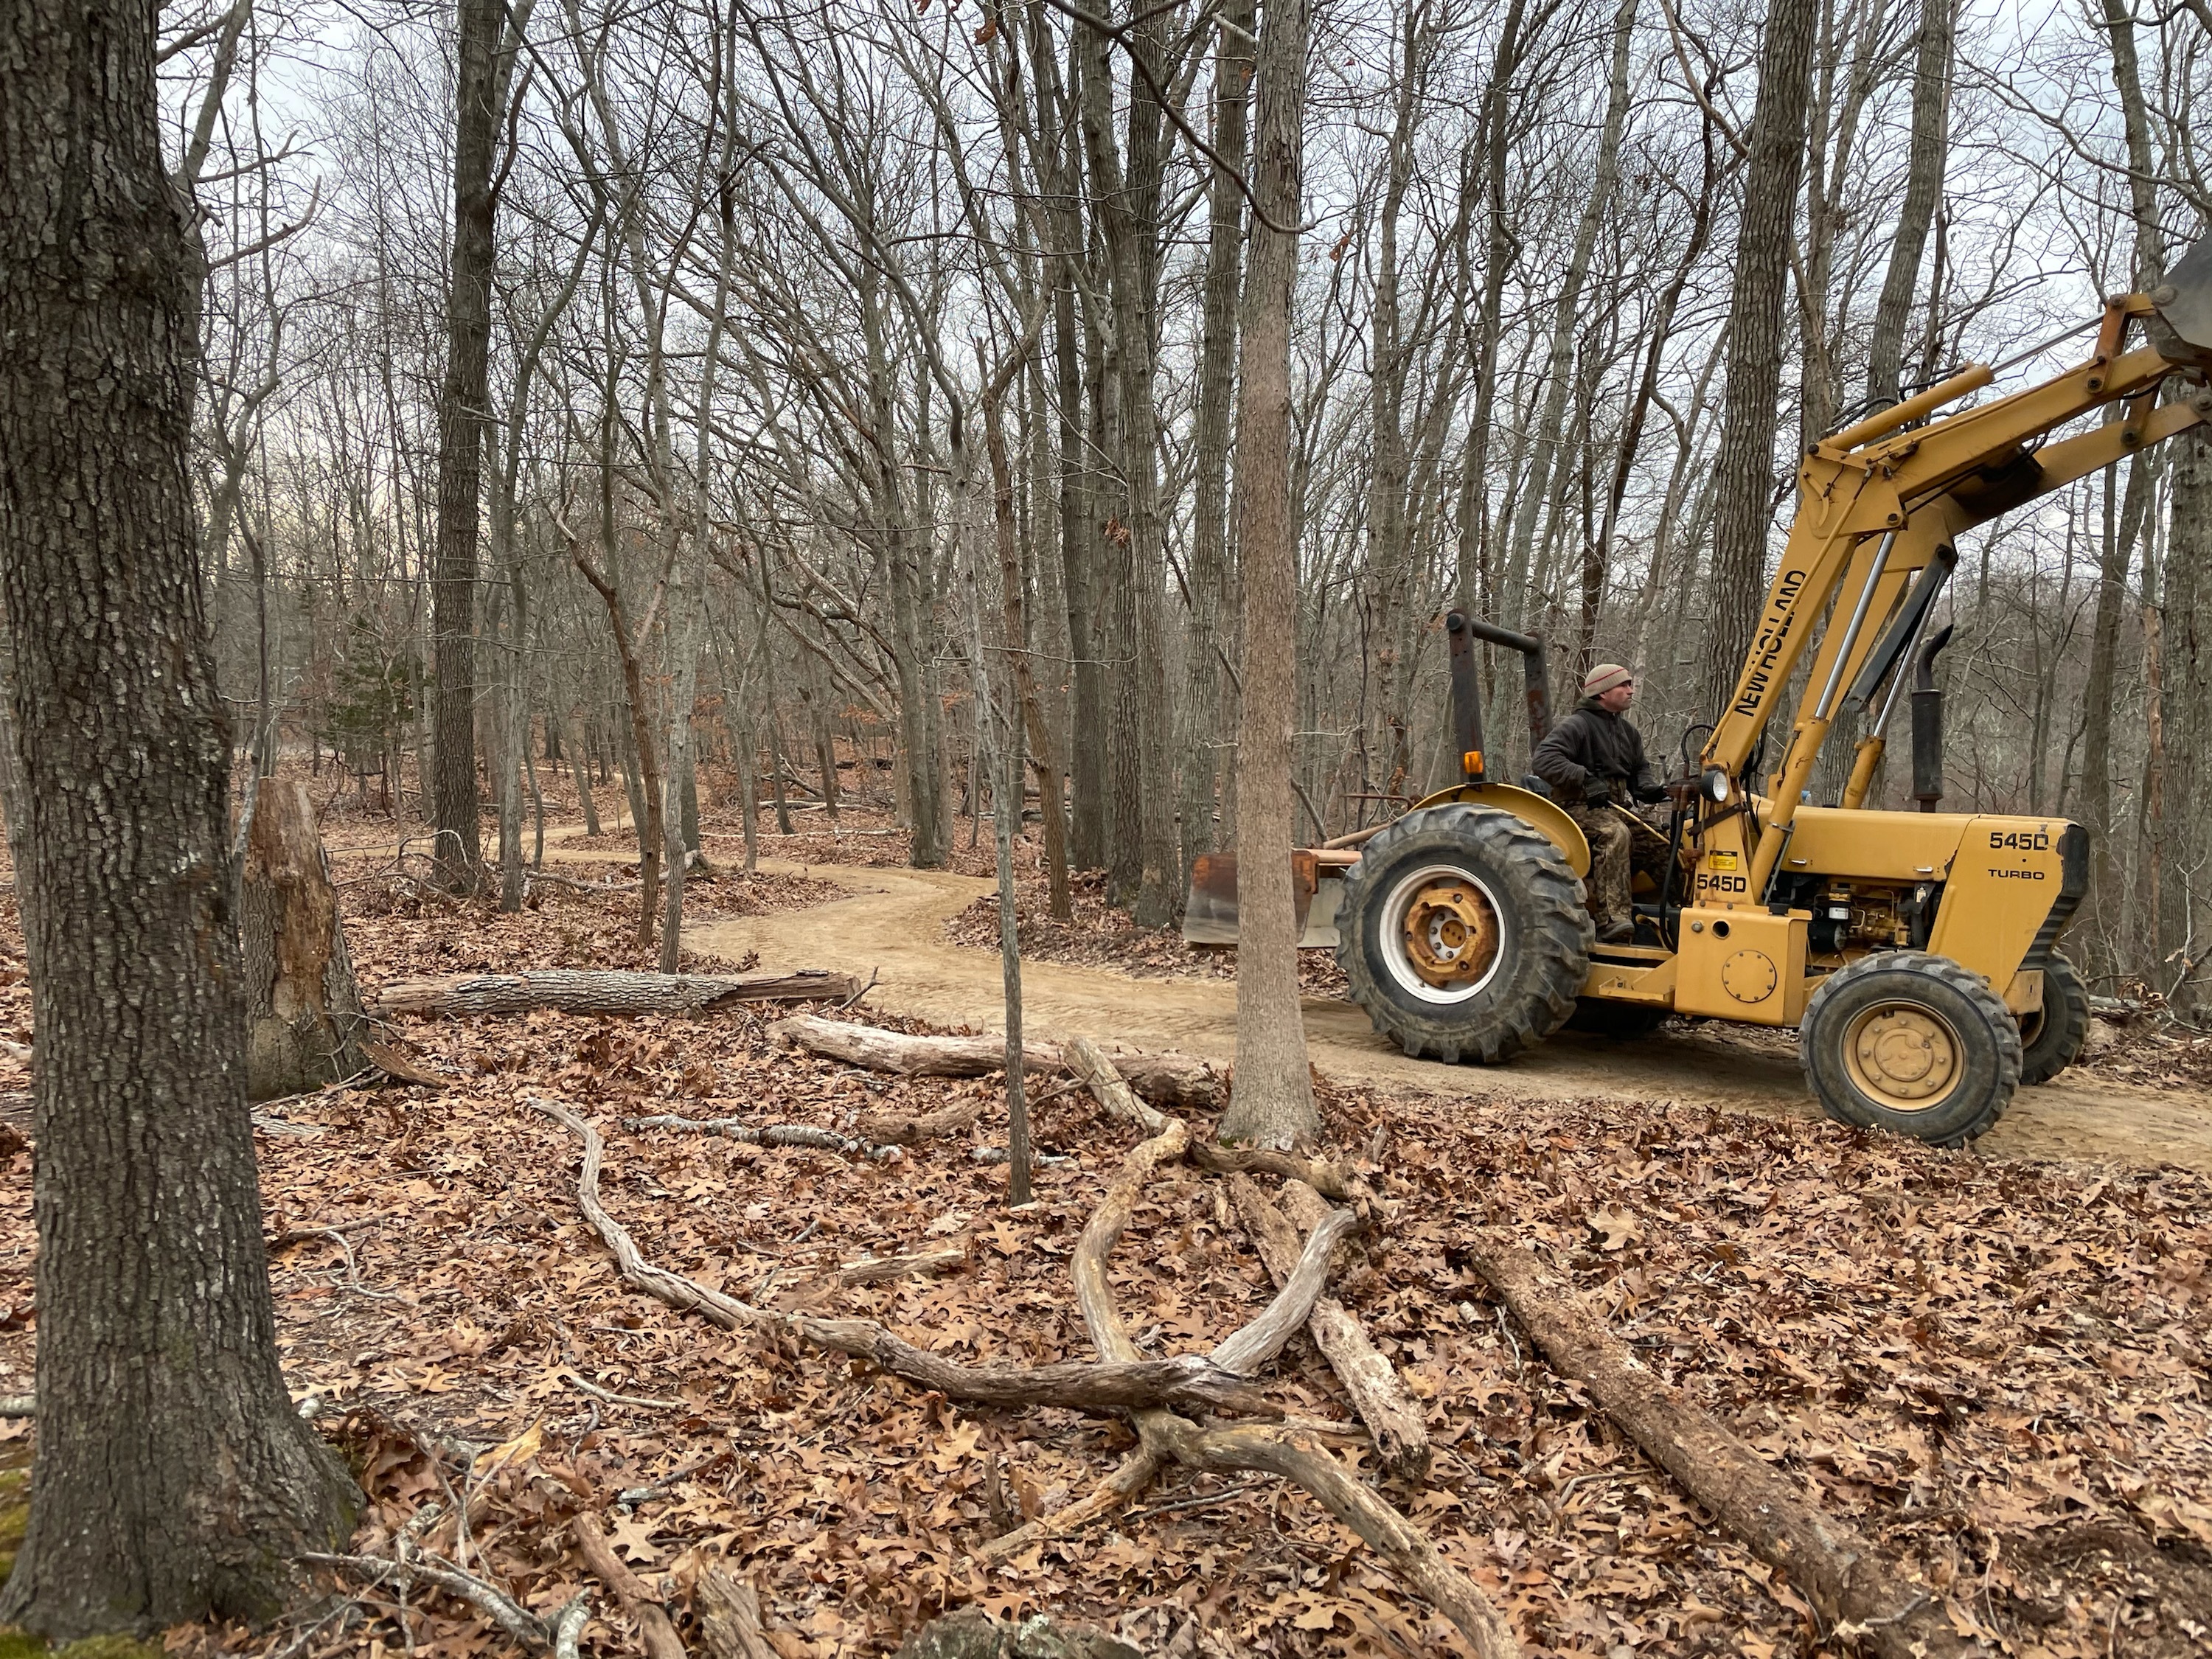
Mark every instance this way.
x=1591 y=747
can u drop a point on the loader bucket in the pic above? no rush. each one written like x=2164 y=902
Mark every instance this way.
x=2185 y=299
x=1209 y=913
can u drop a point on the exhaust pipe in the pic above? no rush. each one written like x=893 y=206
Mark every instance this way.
x=1928 y=725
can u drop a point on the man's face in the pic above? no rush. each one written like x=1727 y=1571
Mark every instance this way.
x=1617 y=699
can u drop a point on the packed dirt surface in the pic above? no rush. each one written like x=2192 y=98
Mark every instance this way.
x=892 y=924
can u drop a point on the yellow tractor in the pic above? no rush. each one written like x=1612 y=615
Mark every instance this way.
x=1915 y=952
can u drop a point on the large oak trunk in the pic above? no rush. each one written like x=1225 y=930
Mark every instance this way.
x=172 y=1477
x=304 y=1019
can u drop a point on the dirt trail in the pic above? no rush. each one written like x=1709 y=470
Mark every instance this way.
x=893 y=924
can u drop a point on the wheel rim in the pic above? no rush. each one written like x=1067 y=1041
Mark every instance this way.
x=1440 y=935
x=1904 y=1055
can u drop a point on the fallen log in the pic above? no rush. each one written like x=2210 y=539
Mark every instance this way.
x=1402 y=1438
x=1178 y=1080
x=608 y=991
x=896 y=1129
x=1849 y=1579
x=638 y=1599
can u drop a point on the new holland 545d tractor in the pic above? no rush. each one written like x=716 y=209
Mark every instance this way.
x=1915 y=952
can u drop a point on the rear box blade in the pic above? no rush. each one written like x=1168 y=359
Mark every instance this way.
x=1209 y=914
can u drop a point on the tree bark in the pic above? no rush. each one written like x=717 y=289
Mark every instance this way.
x=1206 y=683
x=1272 y=1104
x=304 y=1022
x=1765 y=232
x=173 y=1479
x=463 y=401
x=1924 y=179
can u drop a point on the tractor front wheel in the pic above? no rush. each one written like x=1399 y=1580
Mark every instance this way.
x=2052 y=1037
x=1913 y=1042
x=1462 y=933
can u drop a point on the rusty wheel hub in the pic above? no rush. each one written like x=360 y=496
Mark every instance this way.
x=1450 y=932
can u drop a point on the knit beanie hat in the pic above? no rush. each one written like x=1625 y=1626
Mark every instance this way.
x=1603 y=677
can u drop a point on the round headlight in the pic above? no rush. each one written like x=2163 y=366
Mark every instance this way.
x=1717 y=784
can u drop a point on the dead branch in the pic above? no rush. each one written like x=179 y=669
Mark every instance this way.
x=392 y=1061
x=678 y=1293
x=1191 y=1379
x=1135 y=1384
x=608 y=991
x=1245 y=1351
x=1164 y=1435
x=881 y=1269
x=769 y=1134
x=1086 y=1060
x=653 y=1625
x=1131 y=1476
x=570 y=1625
x=730 y=1617
x=1400 y=1436
x=1177 y=1080
x=892 y=1129
x=493 y=1602
x=1845 y=1574
x=1388 y=1533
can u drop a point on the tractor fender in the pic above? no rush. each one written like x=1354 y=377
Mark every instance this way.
x=1562 y=831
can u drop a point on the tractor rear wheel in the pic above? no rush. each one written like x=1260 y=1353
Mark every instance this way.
x=1913 y=1042
x=2052 y=1037
x=1462 y=933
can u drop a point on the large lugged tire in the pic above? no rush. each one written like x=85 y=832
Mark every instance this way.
x=2052 y=1039
x=1462 y=933
x=1913 y=1042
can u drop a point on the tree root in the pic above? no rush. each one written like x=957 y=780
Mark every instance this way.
x=655 y=1629
x=1401 y=1437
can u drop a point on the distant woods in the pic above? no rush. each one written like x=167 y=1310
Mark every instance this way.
x=864 y=381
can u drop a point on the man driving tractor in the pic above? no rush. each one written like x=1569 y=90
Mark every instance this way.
x=1595 y=763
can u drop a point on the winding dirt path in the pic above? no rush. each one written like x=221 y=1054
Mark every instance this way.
x=893 y=924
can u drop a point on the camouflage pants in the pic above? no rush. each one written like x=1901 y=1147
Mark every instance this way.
x=1617 y=852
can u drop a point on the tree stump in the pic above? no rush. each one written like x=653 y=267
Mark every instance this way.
x=304 y=1023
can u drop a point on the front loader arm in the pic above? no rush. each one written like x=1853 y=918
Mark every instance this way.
x=1878 y=501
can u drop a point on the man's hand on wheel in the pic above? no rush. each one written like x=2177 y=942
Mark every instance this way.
x=1597 y=797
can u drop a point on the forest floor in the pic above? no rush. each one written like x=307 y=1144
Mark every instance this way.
x=1988 y=1359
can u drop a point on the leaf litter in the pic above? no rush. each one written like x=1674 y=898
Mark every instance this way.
x=1995 y=1367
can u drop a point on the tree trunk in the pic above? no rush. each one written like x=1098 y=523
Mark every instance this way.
x=1924 y=179
x=1272 y=1103
x=173 y=1479
x=1204 y=681
x=1520 y=607
x=304 y=1023
x=462 y=404
x=1765 y=232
